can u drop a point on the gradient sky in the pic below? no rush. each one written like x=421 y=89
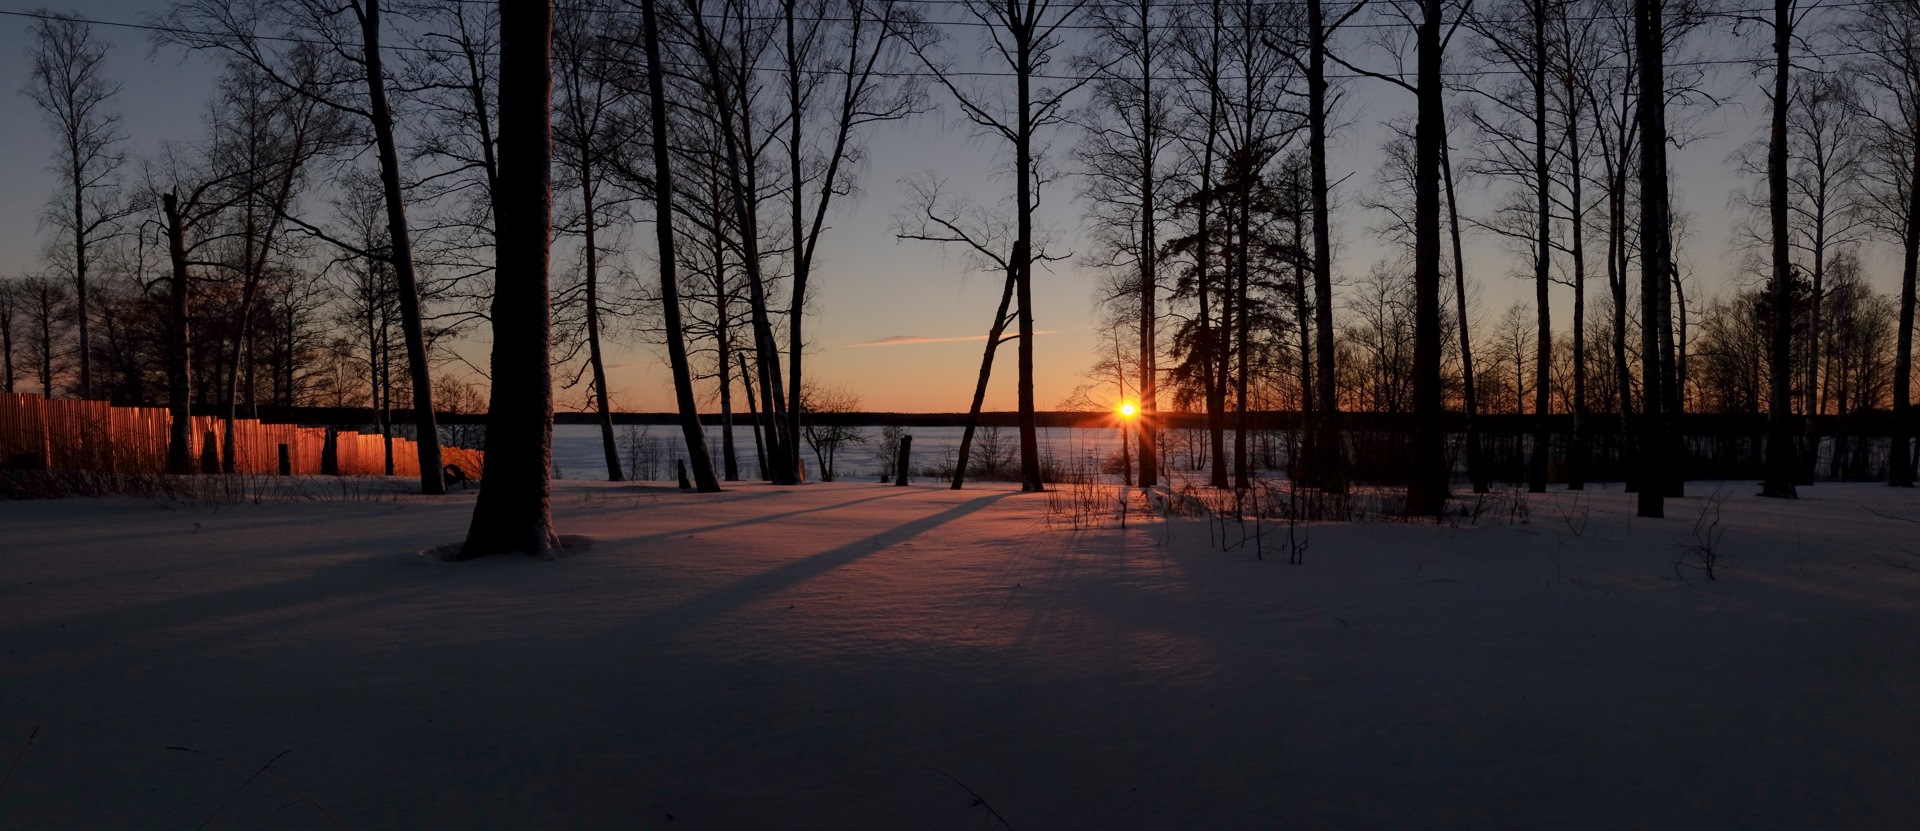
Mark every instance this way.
x=900 y=322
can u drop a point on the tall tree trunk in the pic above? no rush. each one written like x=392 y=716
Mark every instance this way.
x=1617 y=271
x=780 y=449
x=1214 y=361
x=1476 y=465
x=47 y=315
x=723 y=340
x=1329 y=470
x=1577 y=447
x=603 y=405
x=1302 y=317
x=80 y=311
x=179 y=379
x=1782 y=466
x=1543 y=260
x=427 y=440
x=513 y=512
x=753 y=413
x=1149 y=262
x=1900 y=454
x=691 y=432
x=1023 y=252
x=802 y=260
x=1242 y=465
x=6 y=346
x=1427 y=486
x=729 y=456
x=1656 y=256
x=994 y=336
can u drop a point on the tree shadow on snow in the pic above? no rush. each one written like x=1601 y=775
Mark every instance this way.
x=755 y=587
x=758 y=519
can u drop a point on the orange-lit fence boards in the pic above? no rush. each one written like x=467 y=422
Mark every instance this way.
x=91 y=435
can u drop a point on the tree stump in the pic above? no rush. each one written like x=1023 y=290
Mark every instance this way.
x=286 y=460
x=900 y=464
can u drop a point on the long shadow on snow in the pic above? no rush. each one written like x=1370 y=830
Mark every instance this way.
x=339 y=586
x=741 y=523
x=746 y=590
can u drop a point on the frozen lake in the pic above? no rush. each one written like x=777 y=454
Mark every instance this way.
x=649 y=451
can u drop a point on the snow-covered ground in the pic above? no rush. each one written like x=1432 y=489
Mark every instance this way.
x=861 y=656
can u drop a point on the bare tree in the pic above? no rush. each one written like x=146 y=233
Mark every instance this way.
x=1656 y=259
x=448 y=82
x=9 y=319
x=713 y=290
x=350 y=77
x=662 y=183
x=1427 y=487
x=842 y=65
x=1024 y=35
x=1127 y=137
x=192 y=195
x=1577 y=53
x=514 y=512
x=70 y=86
x=1782 y=428
x=1202 y=61
x=1520 y=143
x=271 y=136
x=1826 y=147
x=1888 y=36
x=725 y=58
x=1328 y=470
x=365 y=300
x=588 y=133
x=827 y=436
x=1612 y=98
x=988 y=240
x=1428 y=481
x=1469 y=386
x=47 y=309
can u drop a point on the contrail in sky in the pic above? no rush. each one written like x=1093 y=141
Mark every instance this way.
x=903 y=340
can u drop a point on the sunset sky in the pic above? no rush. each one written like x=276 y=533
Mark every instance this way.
x=898 y=322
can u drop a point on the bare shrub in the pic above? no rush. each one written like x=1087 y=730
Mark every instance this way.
x=1700 y=550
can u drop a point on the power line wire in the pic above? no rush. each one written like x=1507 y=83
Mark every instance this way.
x=155 y=27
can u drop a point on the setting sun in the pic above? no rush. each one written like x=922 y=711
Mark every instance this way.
x=1127 y=410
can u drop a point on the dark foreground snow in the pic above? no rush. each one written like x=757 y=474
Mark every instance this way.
x=837 y=656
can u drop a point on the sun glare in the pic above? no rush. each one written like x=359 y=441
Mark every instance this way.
x=1127 y=410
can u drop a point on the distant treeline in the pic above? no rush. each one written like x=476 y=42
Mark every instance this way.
x=1878 y=423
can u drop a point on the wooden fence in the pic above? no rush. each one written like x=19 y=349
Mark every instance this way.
x=91 y=435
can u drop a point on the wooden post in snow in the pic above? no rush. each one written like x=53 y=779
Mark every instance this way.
x=900 y=464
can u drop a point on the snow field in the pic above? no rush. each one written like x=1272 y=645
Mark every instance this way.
x=860 y=656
